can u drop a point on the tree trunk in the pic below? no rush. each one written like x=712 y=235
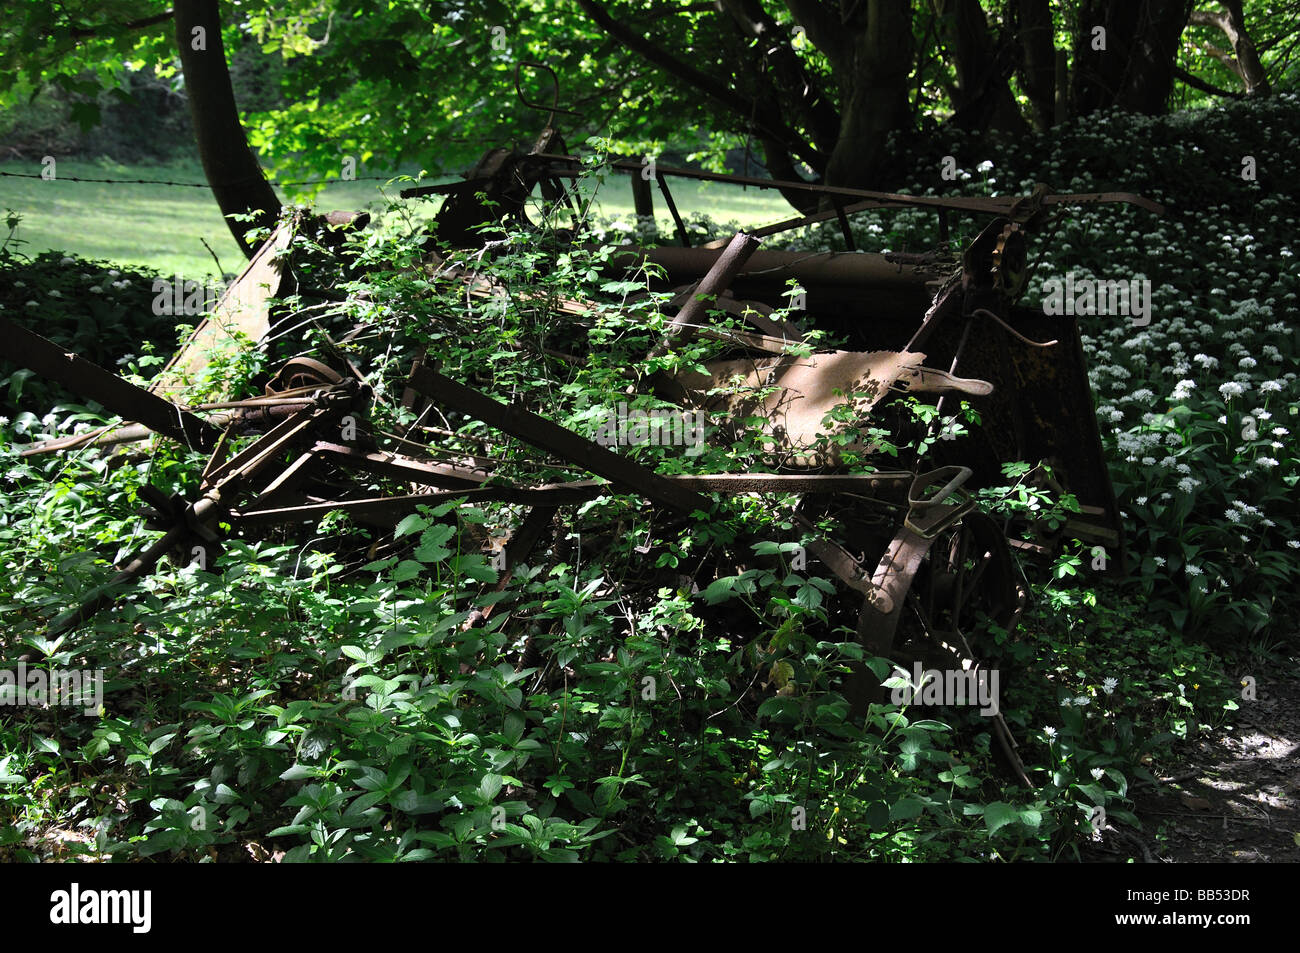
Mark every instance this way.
x=231 y=169
x=878 y=59
x=1038 y=60
x=1246 y=63
x=1135 y=70
x=984 y=99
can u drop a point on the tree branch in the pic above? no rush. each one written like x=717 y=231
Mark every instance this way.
x=776 y=51
x=1245 y=61
x=82 y=32
x=1198 y=83
x=706 y=84
x=824 y=28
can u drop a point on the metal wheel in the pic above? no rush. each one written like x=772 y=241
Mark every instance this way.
x=967 y=581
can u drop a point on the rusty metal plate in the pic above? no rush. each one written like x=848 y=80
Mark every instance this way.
x=807 y=389
x=243 y=309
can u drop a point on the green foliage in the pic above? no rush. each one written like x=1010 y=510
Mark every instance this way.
x=295 y=702
x=101 y=312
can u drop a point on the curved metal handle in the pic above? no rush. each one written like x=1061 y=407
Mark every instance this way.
x=957 y=476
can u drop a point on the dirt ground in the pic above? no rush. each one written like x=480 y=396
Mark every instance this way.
x=1230 y=797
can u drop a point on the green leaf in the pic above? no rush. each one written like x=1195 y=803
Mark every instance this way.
x=1031 y=817
x=411 y=524
x=411 y=803
x=407 y=570
x=999 y=814
x=1094 y=793
x=720 y=590
x=906 y=809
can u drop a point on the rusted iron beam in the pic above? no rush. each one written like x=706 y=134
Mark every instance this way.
x=715 y=281
x=275 y=440
x=545 y=435
x=840 y=268
x=194 y=517
x=401 y=467
x=794 y=482
x=1000 y=204
x=89 y=380
x=392 y=509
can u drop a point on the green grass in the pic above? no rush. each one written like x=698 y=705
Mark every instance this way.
x=164 y=227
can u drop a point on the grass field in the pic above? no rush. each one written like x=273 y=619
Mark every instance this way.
x=164 y=227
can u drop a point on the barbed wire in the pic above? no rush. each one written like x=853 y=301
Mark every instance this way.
x=191 y=185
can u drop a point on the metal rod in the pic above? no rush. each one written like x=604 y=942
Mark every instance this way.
x=672 y=207
x=89 y=380
x=542 y=433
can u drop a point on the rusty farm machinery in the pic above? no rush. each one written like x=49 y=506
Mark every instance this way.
x=919 y=563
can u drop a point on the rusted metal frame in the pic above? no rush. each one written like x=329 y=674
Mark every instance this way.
x=194 y=518
x=885 y=199
x=948 y=299
x=112 y=435
x=715 y=281
x=394 y=508
x=1104 y=198
x=672 y=208
x=552 y=438
x=139 y=564
x=997 y=204
x=847 y=270
x=417 y=191
x=952 y=369
x=799 y=221
x=221 y=486
x=398 y=466
x=523 y=539
x=89 y=380
x=274 y=440
x=773 y=336
x=517 y=548
x=580 y=491
x=793 y=482
x=879 y=617
x=967 y=660
x=931 y=380
x=838 y=560
x=758 y=342
x=849 y=244
x=99 y=437
x=289 y=479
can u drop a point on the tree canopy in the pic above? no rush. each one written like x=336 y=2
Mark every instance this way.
x=809 y=89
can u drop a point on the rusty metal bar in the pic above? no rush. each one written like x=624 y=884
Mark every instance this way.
x=715 y=281
x=91 y=381
x=842 y=269
x=1001 y=204
x=394 y=508
x=402 y=467
x=672 y=208
x=542 y=433
x=274 y=440
x=844 y=226
x=799 y=221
